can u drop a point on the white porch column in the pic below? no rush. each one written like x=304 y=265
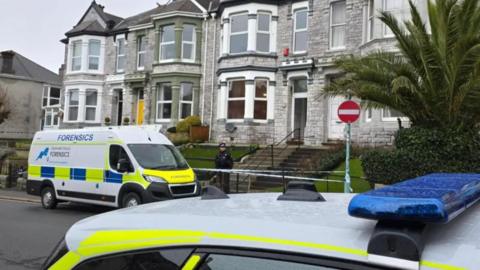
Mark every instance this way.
x=249 y=99
x=98 y=111
x=221 y=101
x=252 y=33
x=226 y=36
x=271 y=100
x=66 y=108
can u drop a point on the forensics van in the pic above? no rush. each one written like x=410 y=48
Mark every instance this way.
x=114 y=166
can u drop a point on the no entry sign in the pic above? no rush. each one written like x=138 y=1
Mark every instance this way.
x=349 y=111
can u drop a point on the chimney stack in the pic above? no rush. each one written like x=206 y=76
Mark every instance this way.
x=7 y=62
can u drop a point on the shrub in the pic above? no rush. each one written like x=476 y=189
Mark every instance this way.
x=420 y=151
x=179 y=138
x=184 y=125
x=172 y=130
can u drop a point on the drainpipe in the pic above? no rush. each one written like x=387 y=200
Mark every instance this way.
x=214 y=15
x=205 y=23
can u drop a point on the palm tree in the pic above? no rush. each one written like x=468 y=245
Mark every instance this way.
x=434 y=79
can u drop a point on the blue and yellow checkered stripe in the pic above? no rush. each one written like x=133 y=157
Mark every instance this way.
x=75 y=174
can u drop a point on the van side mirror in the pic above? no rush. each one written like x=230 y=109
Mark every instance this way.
x=123 y=166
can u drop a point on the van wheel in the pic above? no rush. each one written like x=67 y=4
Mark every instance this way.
x=131 y=199
x=49 y=200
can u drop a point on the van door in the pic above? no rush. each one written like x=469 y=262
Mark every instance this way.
x=113 y=177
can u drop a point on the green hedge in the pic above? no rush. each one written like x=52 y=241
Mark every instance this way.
x=421 y=151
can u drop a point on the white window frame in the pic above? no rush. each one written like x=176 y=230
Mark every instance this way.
x=89 y=56
x=255 y=98
x=264 y=32
x=229 y=82
x=53 y=113
x=80 y=42
x=141 y=39
x=332 y=26
x=185 y=101
x=47 y=94
x=370 y=20
x=395 y=12
x=91 y=106
x=164 y=43
x=193 y=43
x=160 y=102
x=69 y=105
x=392 y=119
x=368 y=115
x=124 y=55
x=295 y=30
x=237 y=33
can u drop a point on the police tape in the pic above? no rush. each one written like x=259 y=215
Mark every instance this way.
x=256 y=173
x=269 y=171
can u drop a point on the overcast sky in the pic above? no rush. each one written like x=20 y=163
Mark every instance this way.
x=34 y=28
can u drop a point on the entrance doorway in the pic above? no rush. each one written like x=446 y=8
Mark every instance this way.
x=299 y=107
x=335 y=126
x=140 y=107
x=118 y=107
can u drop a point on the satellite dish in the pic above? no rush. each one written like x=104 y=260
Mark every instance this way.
x=230 y=127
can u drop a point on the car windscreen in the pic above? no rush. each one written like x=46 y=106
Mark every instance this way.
x=158 y=157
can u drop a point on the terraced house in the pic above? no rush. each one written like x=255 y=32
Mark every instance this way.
x=143 y=69
x=253 y=70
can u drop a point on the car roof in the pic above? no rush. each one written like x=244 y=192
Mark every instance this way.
x=260 y=221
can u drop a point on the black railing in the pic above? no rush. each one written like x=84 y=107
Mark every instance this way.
x=271 y=148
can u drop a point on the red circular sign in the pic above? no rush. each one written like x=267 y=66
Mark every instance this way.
x=349 y=111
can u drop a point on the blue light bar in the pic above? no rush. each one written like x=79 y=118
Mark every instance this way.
x=434 y=198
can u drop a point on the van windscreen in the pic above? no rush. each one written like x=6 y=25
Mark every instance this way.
x=158 y=157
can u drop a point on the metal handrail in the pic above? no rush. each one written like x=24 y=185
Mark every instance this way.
x=271 y=147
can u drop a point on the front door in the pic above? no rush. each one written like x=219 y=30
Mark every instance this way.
x=140 y=106
x=335 y=126
x=299 y=107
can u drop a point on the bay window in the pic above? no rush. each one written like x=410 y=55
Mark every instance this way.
x=337 y=24
x=300 y=31
x=76 y=55
x=188 y=42
x=121 y=56
x=94 y=54
x=164 y=101
x=141 y=52
x=186 y=100
x=73 y=103
x=239 y=33
x=51 y=96
x=260 y=100
x=91 y=105
x=263 y=32
x=167 y=44
x=236 y=99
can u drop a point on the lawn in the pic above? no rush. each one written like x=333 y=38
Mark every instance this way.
x=359 y=185
x=195 y=156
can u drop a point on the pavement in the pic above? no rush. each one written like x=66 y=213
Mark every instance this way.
x=16 y=195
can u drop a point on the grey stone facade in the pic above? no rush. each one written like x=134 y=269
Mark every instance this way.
x=214 y=67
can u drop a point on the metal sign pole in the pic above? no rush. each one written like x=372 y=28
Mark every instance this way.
x=347 y=159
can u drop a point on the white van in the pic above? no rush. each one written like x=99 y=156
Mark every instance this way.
x=113 y=166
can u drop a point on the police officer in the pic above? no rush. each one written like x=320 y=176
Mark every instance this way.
x=224 y=161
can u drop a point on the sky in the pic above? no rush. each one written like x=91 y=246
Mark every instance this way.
x=34 y=28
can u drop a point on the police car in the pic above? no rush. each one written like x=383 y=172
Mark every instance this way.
x=424 y=223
